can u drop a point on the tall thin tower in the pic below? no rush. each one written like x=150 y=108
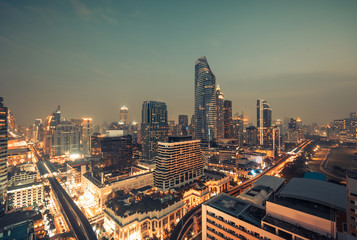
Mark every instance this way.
x=205 y=101
x=3 y=149
x=264 y=116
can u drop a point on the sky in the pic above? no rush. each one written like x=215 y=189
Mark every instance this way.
x=92 y=57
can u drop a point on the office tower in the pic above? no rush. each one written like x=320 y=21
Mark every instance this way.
x=252 y=136
x=238 y=127
x=192 y=127
x=205 y=101
x=3 y=149
x=87 y=128
x=228 y=128
x=38 y=131
x=134 y=131
x=351 y=187
x=117 y=152
x=178 y=162
x=183 y=124
x=55 y=118
x=65 y=139
x=264 y=117
x=353 y=115
x=154 y=127
x=220 y=113
x=124 y=115
x=96 y=144
x=172 y=128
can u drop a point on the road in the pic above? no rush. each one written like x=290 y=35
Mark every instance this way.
x=75 y=218
x=186 y=222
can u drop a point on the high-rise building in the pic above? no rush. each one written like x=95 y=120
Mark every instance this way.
x=65 y=139
x=351 y=187
x=55 y=117
x=220 y=113
x=124 y=115
x=178 y=162
x=264 y=113
x=228 y=126
x=173 y=128
x=183 y=125
x=264 y=118
x=38 y=131
x=3 y=149
x=87 y=128
x=238 y=126
x=205 y=101
x=192 y=127
x=95 y=144
x=117 y=152
x=252 y=136
x=154 y=127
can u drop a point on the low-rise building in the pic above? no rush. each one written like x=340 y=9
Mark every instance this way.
x=144 y=217
x=25 y=196
x=100 y=189
x=303 y=209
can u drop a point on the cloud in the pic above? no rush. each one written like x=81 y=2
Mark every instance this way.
x=93 y=13
x=81 y=9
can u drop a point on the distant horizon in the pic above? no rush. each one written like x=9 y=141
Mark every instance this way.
x=94 y=57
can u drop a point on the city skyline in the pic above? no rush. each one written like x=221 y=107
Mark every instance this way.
x=94 y=59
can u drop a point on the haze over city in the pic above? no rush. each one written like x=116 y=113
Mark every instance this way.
x=93 y=57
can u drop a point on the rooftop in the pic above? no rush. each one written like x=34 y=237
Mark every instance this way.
x=29 y=185
x=294 y=229
x=316 y=191
x=269 y=181
x=19 y=216
x=237 y=208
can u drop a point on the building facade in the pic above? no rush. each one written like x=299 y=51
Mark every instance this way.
x=179 y=161
x=205 y=101
x=228 y=125
x=87 y=130
x=154 y=127
x=117 y=152
x=25 y=196
x=220 y=113
x=65 y=139
x=3 y=149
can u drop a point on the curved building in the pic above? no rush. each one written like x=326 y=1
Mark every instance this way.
x=205 y=101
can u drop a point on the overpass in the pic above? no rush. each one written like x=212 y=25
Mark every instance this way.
x=74 y=216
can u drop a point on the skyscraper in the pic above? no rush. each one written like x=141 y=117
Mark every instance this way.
x=220 y=113
x=205 y=101
x=117 y=152
x=3 y=149
x=124 y=115
x=55 y=117
x=178 y=162
x=264 y=117
x=183 y=124
x=154 y=127
x=87 y=128
x=228 y=125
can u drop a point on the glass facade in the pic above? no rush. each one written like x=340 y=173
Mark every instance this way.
x=205 y=101
x=154 y=127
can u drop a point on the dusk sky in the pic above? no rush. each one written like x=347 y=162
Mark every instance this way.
x=92 y=57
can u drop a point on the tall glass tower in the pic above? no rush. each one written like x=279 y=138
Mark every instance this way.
x=3 y=149
x=205 y=101
x=154 y=127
